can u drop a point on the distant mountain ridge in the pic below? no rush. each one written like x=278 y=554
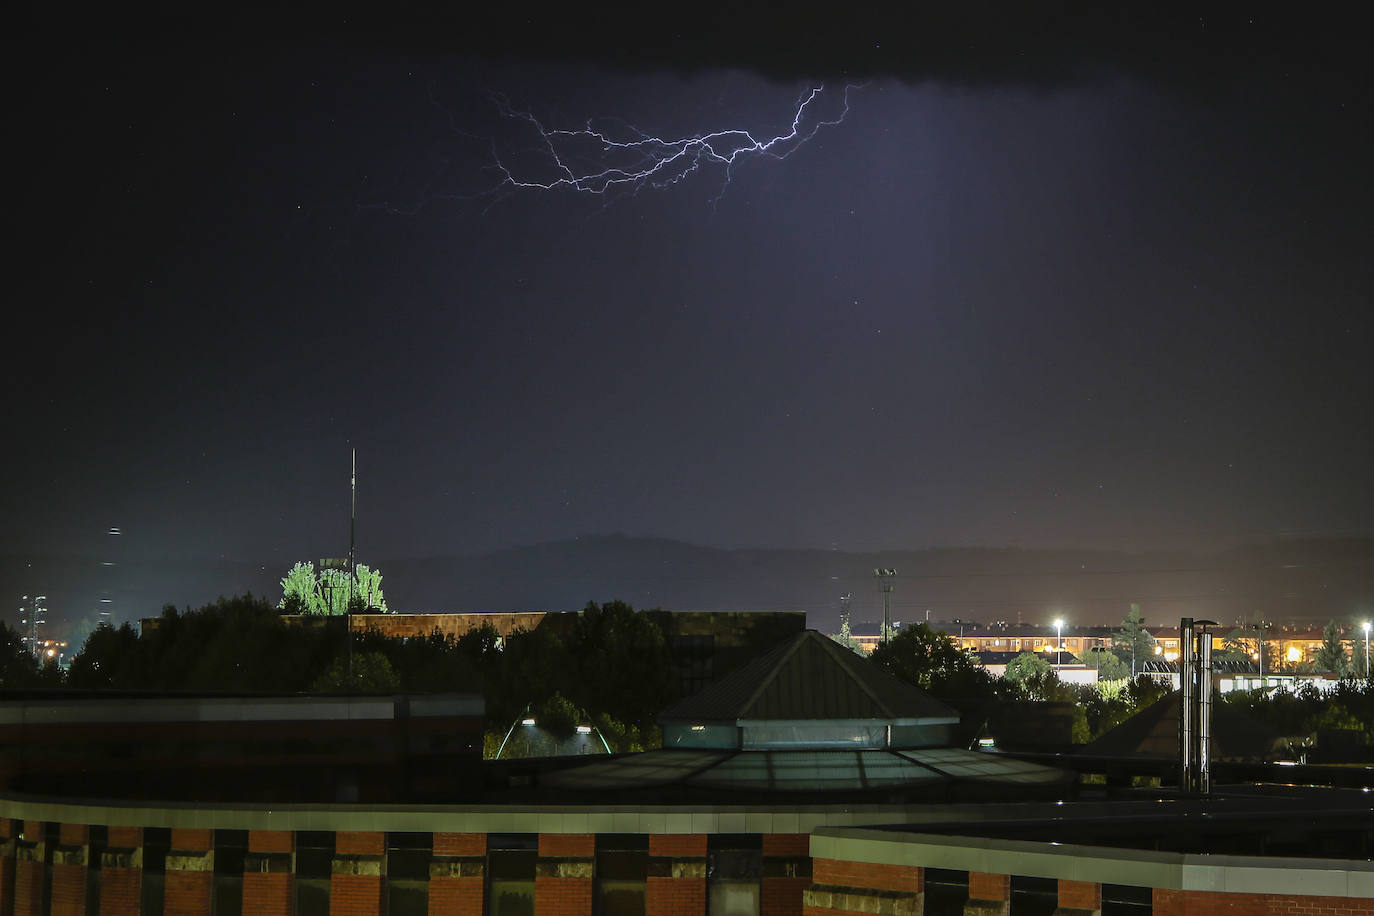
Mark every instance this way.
x=1314 y=579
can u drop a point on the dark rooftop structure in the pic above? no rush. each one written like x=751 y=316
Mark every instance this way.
x=815 y=684
x=809 y=716
x=1153 y=732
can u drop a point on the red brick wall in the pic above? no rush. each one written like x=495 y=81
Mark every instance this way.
x=68 y=890
x=6 y=879
x=685 y=895
x=271 y=841
x=460 y=844
x=120 y=891
x=28 y=875
x=457 y=896
x=124 y=837
x=786 y=844
x=1213 y=903
x=267 y=893
x=864 y=874
x=691 y=845
x=674 y=896
x=73 y=834
x=782 y=896
x=1080 y=895
x=355 y=895
x=568 y=845
x=121 y=888
x=983 y=886
x=562 y=896
x=69 y=877
x=461 y=895
x=359 y=843
x=187 y=893
x=192 y=840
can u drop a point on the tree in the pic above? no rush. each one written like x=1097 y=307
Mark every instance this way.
x=621 y=665
x=372 y=673
x=331 y=590
x=846 y=639
x=931 y=661
x=1109 y=666
x=18 y=667
x=1134 y=645
x=300 y=590
x=369 y=590
x=100 y=662
x=1021 y=668
x=1331 y=656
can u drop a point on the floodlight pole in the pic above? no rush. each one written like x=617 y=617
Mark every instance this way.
x=352 y=558
x=1366 y=651
x=885 y=577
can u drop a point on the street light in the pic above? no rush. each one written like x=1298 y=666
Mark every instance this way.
x=1058 y=639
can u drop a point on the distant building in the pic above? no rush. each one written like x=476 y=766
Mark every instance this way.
x=33 y=616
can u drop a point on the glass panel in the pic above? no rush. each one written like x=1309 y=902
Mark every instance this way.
x=511 y=889
x=406 y=898
x=732 y=898
x=678 y=734
x=228 y=895
x=312 y=896
x=512 y=898
x=839 y=734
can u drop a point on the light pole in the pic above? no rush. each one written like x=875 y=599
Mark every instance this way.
x=1058 y=639
x=885 y=577
x=1366 y=627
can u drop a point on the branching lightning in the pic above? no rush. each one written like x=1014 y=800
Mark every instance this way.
x=597 y=161
x=606 y=158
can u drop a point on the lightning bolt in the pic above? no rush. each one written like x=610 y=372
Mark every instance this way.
x=606 y=161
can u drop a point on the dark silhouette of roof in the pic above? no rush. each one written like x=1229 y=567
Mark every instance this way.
x=1153 y=732
x=809 y=676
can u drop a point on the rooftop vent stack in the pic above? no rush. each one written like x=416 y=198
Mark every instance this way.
x=1187 y=765
x=1203 y=666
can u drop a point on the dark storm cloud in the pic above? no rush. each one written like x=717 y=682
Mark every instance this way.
x=977 y=44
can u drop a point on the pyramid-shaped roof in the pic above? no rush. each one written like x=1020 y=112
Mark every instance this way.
x=810 y=676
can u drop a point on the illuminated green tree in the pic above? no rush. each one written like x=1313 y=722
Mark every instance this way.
x=301 y=591
x=369 y=584
x=331 y=590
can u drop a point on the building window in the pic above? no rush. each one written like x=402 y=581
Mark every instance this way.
x=231 y=847
x=407 y=873
x=156 y=842
x=622 y=869
x=511 y=860
x=314 y=865
x=734 y=865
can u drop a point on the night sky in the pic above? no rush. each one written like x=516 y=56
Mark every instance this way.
x=1063 y=279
